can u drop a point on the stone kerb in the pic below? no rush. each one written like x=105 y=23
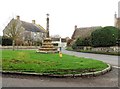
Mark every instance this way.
x=97 y=73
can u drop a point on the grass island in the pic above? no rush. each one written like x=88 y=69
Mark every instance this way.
x=30 y=61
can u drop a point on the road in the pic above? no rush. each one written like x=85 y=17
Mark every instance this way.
x=107 y=80
x=113 y=60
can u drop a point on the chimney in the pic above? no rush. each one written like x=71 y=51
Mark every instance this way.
x=18 y=17
x=75 y=26
x=115 y=15
x=33 y=21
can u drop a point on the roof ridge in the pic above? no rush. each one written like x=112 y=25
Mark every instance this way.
x=32 y=27
x=40 y=27
x=88 y=27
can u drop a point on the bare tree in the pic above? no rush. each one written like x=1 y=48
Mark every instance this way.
x=14 y=30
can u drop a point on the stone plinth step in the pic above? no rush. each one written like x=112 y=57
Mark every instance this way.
x=39 y=51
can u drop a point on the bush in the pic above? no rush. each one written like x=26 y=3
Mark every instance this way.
x=79 y=42
x=74 y=46
x=83 y=42
x=118 y=41
x=104 y=37
x=69 y=48
x=6 y=41
x=37 y=43
x=86 y=41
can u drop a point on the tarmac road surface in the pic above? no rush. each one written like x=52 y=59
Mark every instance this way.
x=111 y=59
x=107 y=80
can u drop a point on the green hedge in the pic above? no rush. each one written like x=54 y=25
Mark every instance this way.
x=82 y=42
x=103 y=37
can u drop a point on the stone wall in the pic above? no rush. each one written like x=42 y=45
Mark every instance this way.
x=19 y=47
x=104 y=49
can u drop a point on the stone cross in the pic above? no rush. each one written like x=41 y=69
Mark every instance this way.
x=47 y=26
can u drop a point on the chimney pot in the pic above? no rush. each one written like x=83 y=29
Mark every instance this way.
x=75 y=26
x=115 y=15
x=33 y=21
x=18 y=17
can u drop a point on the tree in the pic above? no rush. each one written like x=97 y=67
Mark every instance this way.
x=0 y=40
x=14 y=31
x=69 y=42
x=104 y=37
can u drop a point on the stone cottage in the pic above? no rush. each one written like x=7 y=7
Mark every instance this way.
x=83 y=32
x=32 y=32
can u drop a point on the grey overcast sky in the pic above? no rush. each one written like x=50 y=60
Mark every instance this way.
x=64 y=14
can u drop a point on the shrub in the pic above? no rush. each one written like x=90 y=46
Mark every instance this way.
x=83 y=42
x=86 y=41
x=79 y=43
x=6 y=41
x=74 y=46
x=103 y=37
x=118 y=40
x=69 y=48
x=37 y=43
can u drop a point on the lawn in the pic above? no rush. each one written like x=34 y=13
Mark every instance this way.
x=30 y=61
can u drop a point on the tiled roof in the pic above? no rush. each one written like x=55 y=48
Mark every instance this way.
x=32 y=27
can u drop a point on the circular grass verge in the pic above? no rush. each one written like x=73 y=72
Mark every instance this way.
x=32 y=62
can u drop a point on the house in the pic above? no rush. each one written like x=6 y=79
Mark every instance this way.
x=59 y=42
x=32 y=32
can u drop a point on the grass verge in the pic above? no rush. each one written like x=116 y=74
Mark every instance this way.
x=30 y=61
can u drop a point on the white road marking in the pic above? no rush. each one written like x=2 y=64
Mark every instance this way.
x=116 y=67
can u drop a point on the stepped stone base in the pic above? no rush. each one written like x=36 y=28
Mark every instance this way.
x=47 y=47
x=38 y=51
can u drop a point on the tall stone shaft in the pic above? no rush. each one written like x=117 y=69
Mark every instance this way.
x=47 y=26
